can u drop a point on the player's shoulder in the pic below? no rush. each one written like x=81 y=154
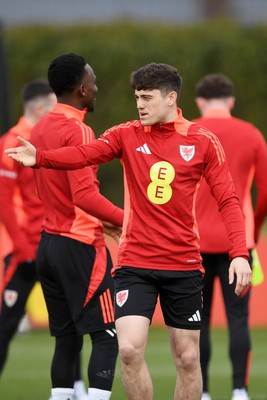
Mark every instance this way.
x=124 y=127
x=9 y=139
x=247 y=131
x=201 y=131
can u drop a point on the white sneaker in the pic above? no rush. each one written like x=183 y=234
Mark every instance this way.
x=240 y=394
x=205 y=396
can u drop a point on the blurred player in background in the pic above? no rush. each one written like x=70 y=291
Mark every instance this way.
x=246 y=152
x=21 y=214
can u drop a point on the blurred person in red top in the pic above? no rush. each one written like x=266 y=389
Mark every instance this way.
x=73 y=261
x=246 y=153
x=164 y=157
x=21 y=214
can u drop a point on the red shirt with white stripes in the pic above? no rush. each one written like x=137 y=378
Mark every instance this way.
x=73 y=204
x=246 y=154
x=163 y=166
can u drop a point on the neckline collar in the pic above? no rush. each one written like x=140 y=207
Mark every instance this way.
x=70 y=111
x=180 y=125
x=217 y=112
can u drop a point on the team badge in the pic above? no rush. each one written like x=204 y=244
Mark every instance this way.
x=121 y=297
x=187 y=152
x=10 y=297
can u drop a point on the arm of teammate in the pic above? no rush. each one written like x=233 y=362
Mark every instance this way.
x=85 y=185
x=86 y=195
x=69 y=157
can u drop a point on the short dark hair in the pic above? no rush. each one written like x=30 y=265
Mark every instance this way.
x=215 y=86
x=157 y=76
x=66 y=72
x=34 y=89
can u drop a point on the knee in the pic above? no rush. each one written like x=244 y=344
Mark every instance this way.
x=189 y=361
x=69 y=344
x=128 y=353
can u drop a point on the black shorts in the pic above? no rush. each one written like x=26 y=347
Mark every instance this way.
x=180 y=295
x=77 y=285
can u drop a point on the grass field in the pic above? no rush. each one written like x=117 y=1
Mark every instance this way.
x=26 y=376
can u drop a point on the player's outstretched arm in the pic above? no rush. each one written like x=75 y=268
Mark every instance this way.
x=25 y=154
x=240 y=267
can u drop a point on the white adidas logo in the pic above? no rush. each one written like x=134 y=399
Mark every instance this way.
x=195 y=317
x=144 y=149
x=111 y=332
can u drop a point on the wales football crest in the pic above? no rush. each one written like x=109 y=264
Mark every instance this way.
x=187 y=152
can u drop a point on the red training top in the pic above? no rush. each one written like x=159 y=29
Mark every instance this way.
x=20 y=208
x=163 y=167
x=73 y=205
x=246 y=153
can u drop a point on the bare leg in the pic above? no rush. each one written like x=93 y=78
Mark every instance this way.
x=132 y=332
x=185 y=351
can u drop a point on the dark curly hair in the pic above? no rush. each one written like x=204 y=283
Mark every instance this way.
x=66 y=72
x=157 y=76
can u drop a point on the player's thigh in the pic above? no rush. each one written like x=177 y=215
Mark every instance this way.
x=184 y=341
x=181 y=298
x=135 y=292
x=132 y=333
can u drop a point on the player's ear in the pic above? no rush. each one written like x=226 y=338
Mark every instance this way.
x=231 y=102
x=200 y=102
x=172 y=98
x=82 y=89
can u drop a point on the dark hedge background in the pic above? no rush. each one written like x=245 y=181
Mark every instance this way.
x=115 y=50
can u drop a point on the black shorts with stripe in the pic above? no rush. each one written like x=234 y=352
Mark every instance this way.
x=180 y=294
x=77 y=285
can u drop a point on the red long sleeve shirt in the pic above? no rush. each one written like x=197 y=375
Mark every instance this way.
x=21 y=211
x=246 y=153
x=73 y=204
x=163 y=166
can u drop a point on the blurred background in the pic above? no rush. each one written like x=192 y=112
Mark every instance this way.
x=117 y=37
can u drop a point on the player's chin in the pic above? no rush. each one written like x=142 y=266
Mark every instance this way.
x=91 y=107
x=145 y=122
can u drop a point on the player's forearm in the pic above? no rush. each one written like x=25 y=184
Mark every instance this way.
x=74 y=157
x=66 y=158
x=235 y=227
x=98 y=206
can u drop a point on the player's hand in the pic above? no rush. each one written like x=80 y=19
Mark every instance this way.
x=240 y=267
x=112 y=230
x=25 y=154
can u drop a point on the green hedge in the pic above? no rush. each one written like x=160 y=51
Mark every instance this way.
x=114 y=50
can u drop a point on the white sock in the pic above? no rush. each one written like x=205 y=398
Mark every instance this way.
x=240 y=391
x=62 y=394
x=79 y=389
x=98 y=394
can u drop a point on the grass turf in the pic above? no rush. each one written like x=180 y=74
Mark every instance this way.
x=27 y=372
